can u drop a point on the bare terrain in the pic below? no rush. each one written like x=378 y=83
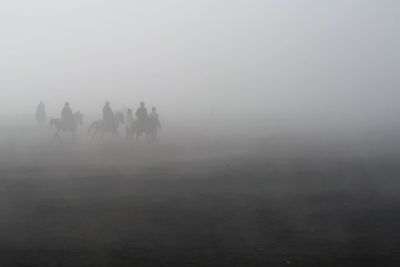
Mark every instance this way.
x=198 y=199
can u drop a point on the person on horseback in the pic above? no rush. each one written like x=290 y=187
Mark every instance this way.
x=67 y=115
x=41 y=113
x=141 y=114
x=108 y=116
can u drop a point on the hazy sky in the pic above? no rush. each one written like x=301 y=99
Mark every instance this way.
x=282 y=56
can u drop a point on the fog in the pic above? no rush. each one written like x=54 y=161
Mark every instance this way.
x=325 y=60
x=278 y=141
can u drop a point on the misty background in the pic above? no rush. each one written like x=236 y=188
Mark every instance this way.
x=325 y=60
x=280 y=139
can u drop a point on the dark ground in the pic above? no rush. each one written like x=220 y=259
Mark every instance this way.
x=267 y=203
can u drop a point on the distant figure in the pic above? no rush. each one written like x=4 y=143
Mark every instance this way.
x=108 y=116
x=147 y=124
x=100 y=126
x=141 y=115
x=68 y=121
x=67 y=115
x=154 y=123
x=141 y=112
x=41 y=113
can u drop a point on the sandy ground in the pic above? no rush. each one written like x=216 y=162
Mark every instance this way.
x=197 y=200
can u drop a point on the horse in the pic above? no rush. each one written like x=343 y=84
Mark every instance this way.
x=100 y=126
x=62 y=125
x=148 y=128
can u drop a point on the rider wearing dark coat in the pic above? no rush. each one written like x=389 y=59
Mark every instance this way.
x=67 y=115
x=141 y=112
x=108 y=115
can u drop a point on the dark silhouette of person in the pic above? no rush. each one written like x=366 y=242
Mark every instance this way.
x=41 y=113
x=141 y=115
x=67 y=115
x=141 y=112
x=155 y=119
x=108 y=116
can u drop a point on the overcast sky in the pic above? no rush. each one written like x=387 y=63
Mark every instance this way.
x=278 y=56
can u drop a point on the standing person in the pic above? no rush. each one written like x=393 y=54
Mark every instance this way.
x=67 y=115
x=141 y=114
x=41 y=113
x=108 y=116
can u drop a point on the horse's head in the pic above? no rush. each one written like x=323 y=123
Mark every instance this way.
x=119 y=117
x=78 y=117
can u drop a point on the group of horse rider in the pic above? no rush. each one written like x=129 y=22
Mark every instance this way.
x=144 y=120
x=145 y=123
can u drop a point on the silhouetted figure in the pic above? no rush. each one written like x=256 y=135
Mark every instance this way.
x=154 y=122
x=141 y=112
x=147 y=124
x=67 y=115
x=141 y=115
x=69 y=125
x=99 y=126
x=108 y=116
x=41 y=113
x=68 y=121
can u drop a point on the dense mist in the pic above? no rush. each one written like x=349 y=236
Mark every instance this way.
x=325 y=60
x=269 y=133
